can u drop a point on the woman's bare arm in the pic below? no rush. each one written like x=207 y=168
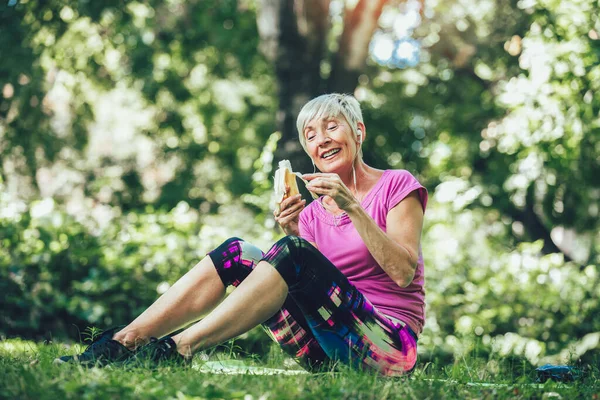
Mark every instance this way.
x=397 y=250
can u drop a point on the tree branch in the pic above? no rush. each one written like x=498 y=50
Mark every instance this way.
x=360 y=24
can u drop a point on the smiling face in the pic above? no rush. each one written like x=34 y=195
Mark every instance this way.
x=331 y=144
x=328 y=129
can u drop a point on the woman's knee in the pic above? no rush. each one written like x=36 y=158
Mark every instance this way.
x=227 y=244
x=234 y=259
x=295 y=243
x=289 y=257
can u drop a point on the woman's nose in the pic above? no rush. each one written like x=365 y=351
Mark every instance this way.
x=323 y=139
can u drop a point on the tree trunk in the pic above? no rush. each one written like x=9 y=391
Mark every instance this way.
x=294 y=36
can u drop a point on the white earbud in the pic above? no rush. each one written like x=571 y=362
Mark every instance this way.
x=359 y=137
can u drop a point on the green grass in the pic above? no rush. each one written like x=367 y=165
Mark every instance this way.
x=27 y=372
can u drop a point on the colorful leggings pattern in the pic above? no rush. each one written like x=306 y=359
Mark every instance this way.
x=324 y=317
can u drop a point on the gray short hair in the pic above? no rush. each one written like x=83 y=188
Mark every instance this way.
x=326 y=106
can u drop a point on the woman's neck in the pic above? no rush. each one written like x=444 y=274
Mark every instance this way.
x=359 y=176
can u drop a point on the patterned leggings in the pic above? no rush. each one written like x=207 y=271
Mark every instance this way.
x=324 y=317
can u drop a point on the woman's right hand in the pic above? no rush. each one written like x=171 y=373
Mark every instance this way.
x=289 y=211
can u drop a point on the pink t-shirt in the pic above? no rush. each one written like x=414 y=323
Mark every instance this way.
x=340 y=242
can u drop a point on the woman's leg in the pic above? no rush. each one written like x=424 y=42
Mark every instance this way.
x=234 y=260
x=203 y=287
x=290 y=330
x=342 y=320
x=194 y=294
x=257 y=298
x=346 y=326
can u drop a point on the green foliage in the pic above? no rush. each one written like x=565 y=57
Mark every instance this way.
x=58 y=273
x=40 y=258
x=502 y=301
x=188 y=76
x=91 y=333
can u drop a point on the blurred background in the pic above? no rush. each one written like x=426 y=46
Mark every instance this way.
x=137 y=136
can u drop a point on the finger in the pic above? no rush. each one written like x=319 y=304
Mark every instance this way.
x=290 y=200
x=320 y=190
x=319 y=184
x=318 y=175
x=313 y=186
x=290 y=218
x=334 y=185
x=298 y=206
x=292 y=210
x=310 y=177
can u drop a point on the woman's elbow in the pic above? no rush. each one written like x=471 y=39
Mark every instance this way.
x=406 y=277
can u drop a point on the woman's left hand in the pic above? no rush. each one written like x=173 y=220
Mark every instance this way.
x=331 y=185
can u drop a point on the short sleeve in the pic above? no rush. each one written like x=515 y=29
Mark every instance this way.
x=401 y=184
x=305 y=226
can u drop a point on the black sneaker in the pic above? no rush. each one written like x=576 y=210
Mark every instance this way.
x=161 y=352
x=101 y=352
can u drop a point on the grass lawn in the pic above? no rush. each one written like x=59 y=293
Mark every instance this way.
x=27 y=372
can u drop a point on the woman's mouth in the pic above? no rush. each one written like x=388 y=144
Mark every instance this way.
x=330 y=154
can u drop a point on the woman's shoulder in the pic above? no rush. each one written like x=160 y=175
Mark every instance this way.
x=401 y=183
x=399 y=172
x=400 y=177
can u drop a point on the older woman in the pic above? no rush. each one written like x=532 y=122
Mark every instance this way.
x=345 y=284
